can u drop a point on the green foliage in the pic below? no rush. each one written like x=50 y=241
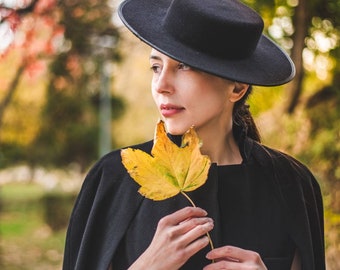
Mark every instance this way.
x=259 y=5
x=11 y=153
x=324 y=113
x=69 y=131
x=264 y=98
x=84 y=20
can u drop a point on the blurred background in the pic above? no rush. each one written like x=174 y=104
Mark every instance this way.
x=74 y=84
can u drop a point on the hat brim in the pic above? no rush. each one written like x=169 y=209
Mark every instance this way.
x=269 y=65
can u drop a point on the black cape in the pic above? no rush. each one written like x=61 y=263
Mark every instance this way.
x=109 y=200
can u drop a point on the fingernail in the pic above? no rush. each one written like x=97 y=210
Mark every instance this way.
x=209 y=225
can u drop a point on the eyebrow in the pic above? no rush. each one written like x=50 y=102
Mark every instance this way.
x=155 y=57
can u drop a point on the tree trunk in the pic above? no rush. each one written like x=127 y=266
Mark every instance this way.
x=300 y=21
x=10 y=92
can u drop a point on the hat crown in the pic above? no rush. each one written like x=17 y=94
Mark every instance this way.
x=221 y=28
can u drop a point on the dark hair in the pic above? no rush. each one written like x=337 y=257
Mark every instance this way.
x=243 y=118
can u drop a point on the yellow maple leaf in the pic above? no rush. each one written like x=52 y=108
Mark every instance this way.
x=169 y=169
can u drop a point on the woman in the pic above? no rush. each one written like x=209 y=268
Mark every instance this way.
x=262 y=208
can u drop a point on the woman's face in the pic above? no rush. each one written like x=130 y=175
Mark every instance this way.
x=186 y=96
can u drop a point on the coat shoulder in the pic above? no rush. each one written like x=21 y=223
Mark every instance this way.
x=280 y=161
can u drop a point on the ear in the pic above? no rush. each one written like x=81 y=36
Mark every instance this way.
x=239 y=91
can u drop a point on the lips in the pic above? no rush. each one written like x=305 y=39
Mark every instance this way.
x=168 y=110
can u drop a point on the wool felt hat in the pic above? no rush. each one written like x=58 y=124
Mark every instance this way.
x=220 y=37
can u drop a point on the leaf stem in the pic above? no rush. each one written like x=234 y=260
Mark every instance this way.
x=189 y=199
x=193 y=204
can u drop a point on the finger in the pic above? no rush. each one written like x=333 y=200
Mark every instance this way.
x=183 y=214
x=197 y=231
x=197 y=245
x=230 y=253
x=233 y=253
x=192 y=223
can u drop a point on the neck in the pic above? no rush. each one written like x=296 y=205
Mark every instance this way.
x=221 y=147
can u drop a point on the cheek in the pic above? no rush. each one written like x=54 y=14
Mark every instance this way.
x=213 y=98
x=153 y=93
x=214 y=105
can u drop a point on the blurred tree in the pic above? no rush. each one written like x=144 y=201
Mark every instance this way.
x=300 y=26
x=69 y=130
x=301 y=18
x=323 y=106
x=78 y=38
x=34 y=13
x=30 y=29
x=317 y=28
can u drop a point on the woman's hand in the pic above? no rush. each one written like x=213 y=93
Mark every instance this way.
x=178 y=237
x=229 y=257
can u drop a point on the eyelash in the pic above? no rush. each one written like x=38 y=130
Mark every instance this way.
x=155 y=68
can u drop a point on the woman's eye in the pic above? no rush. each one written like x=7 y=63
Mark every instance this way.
x=183 y=66
x=155 y=68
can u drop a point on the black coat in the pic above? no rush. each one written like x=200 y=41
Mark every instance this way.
x=109 y=200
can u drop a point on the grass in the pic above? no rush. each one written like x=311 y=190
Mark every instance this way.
x=26 y=240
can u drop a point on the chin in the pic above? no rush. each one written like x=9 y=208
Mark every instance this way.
x=176 y=129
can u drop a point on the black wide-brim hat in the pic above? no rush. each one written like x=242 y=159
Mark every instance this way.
x=220 y=37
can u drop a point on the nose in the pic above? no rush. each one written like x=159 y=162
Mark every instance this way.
x=163 y=83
